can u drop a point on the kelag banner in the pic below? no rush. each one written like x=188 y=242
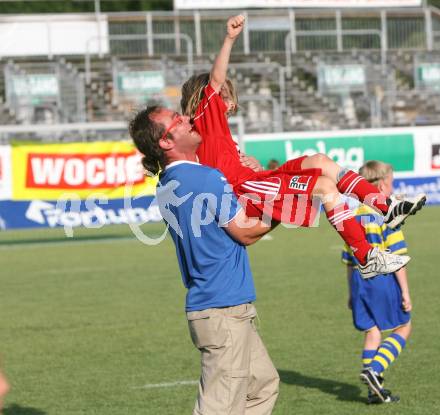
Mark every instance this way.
x=414 y=153
x=349 y=150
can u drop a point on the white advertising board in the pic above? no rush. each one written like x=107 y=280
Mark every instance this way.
x=52 y=35
x=241 y=4
x=5 y=173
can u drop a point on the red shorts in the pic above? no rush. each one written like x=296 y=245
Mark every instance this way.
x=283 y=194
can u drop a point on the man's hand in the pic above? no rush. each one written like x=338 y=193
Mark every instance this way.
x=406 y=302
x=235 y=26
x=251 y=162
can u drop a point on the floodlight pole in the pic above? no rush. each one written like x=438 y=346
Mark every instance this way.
x=98 y=21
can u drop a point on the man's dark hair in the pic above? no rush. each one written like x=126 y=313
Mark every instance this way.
x=146 y=134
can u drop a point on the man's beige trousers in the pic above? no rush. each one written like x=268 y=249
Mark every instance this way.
x=238 y=377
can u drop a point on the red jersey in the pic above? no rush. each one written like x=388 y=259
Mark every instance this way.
x=218 y=149
x=283 y=194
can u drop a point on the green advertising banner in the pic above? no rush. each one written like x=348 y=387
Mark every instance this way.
x=341 y=78
x=427 y=75
x=35 y=85
x=348 y=151
x=140 y=82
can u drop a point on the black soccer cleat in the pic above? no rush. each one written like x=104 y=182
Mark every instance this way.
x=400 y=209
x=373 y=399
x=374 y=383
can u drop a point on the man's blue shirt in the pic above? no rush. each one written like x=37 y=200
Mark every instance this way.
x=196 y=201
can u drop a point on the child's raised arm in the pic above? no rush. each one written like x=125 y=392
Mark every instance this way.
x=220 y=67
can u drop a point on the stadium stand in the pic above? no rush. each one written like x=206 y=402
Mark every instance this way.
x=282 y=66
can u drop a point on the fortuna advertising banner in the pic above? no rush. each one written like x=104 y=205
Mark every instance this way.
x=90 y=213
x=244 y=4
x=62 y=171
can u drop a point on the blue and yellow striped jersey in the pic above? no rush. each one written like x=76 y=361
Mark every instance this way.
x=378 y=234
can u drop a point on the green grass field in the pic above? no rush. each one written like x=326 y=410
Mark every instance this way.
x=95 y=324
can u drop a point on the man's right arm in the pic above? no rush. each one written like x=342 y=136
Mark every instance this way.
x=246 y=230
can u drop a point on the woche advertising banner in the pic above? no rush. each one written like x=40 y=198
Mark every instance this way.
x=54 y=171
x=243 y=4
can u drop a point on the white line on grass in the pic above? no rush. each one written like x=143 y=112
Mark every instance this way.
x=167 y=384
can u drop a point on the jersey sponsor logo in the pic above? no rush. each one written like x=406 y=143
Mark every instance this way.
x=82 y=171
x=299 y=182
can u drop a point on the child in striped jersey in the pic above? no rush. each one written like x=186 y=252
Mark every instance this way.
x=383 y=302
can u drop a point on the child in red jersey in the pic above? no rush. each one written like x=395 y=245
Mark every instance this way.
x=287 y=193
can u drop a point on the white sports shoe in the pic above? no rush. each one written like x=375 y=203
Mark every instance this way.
x=401 y=208
x=381 y=262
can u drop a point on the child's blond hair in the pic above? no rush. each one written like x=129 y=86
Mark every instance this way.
x=374 y=171
x=193 y=90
